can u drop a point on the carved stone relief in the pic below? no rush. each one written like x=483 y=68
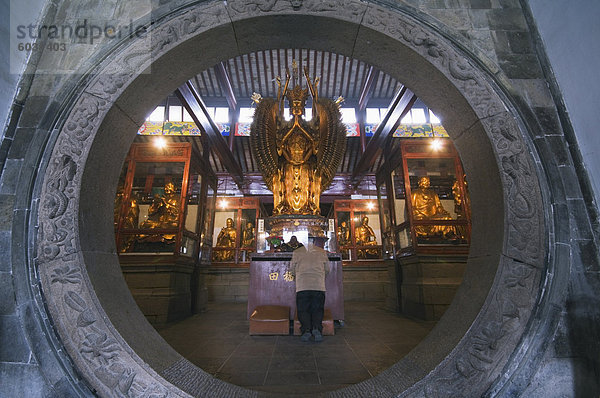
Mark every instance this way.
x=112 y=367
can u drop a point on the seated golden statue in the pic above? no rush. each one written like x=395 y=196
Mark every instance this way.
x=343 y=234
x=365 y=237
x=292 y=245
x=226 y=238
x=164 y=210
x=426 y=205
x=248 y=235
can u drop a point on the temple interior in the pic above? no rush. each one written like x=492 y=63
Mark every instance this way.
x=164 y=164
x=197 y=218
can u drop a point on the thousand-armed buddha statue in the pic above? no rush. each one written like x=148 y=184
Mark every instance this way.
x=297 y=158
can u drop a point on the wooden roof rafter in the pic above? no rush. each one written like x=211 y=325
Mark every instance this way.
x=399 y=107
x=190 y=99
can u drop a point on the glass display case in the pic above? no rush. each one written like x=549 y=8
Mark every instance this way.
x=358 y=229
x=206 y=234
x=385 y=215
x=157 y=206
x=428 y=198
x=234 y=229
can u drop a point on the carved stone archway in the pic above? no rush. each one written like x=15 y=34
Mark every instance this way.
x=103 y=331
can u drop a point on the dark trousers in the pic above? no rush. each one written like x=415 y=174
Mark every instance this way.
x=310 y=305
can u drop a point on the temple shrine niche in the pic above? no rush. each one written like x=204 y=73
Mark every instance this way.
x=235 y=230
x=162 y=211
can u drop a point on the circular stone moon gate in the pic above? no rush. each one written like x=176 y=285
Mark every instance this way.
x=482 y=339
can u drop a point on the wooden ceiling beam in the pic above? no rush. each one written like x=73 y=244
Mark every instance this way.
x=225 y=83
x=192 y=102
x=399 y=107
x=366 y=90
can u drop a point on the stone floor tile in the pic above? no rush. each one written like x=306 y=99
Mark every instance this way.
x=292 y=379
x=341 y=364
x=371 y=340
x=246 y=364
x=243 y=378
x=293 y=363
x=343 y=377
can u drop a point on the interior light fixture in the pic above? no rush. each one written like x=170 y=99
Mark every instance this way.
x=160 y=142
x=223 y=203
x=436 y=144
x=370 y=205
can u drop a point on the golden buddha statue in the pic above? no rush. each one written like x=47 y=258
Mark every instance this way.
x=132 y=213
x=460 y=206
x=164 y=210
x=130 y=219
x=365 y=237
x=426 y=205
x=226 y=238
x=248 y=235
x=343 y=234
x=297 y=158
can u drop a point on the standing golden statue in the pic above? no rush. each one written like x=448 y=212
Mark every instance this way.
x=297 y=158
x=343 y=234
x=426 y=205
x=248 y=235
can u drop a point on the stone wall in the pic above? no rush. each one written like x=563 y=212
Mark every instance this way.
x=161 y=291
x=429 y=283
x=499 y=33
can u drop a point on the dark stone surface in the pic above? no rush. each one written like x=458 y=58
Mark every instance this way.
x=481 y=4
x=479 y=18
x=7 y=203
x=510 y=4
x=500 y=39
x=21 y=143
x=562 y=226
x=4 y=149
x=26 y=380
x=5 y=243
x=581 y=228
x=10 y=176
x=435 y=4
x=520 y=66
x=520 y=42
x=7 y=294
x=570 y=182
x=587 y=251
x=559 y=148
x=18 y=349
x=506 y=19
x=34 y=108
x=548 y=119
